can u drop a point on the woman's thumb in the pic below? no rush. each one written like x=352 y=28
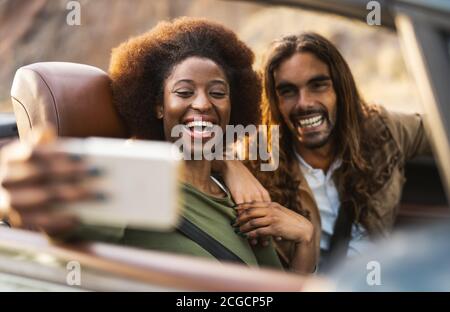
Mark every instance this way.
x=42 y=135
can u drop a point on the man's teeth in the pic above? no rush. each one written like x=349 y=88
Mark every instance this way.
x=311 y=122
x=200 y=125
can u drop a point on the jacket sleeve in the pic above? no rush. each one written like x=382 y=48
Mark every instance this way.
x=408 y=130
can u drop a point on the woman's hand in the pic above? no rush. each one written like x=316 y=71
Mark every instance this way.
x=243 y=185
x=262 y=219
x=34 y=177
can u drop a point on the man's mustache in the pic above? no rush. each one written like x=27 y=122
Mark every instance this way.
x=295 y=115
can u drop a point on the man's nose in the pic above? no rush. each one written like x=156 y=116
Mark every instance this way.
x=305 y=101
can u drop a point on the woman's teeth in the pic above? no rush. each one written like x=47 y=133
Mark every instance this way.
x=200 y=125
x=311 y=122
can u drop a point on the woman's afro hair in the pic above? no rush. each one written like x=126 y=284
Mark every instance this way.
x=139 y=67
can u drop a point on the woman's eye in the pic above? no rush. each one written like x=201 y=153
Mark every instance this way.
x=184 y=94
x=218 y=94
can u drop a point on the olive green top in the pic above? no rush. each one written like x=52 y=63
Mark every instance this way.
x=213 y=215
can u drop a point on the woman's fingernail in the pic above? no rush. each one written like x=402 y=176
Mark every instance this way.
x=75 y=157
x=94 y=172
x=243 y=235
x=100 y=196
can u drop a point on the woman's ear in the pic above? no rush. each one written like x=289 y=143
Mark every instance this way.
x=159 y=112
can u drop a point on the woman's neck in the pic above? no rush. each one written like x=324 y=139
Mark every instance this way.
x=198 y=174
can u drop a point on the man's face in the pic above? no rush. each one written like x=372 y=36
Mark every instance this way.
x=307 y=100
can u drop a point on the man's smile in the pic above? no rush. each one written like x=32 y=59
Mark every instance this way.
x=310 y=122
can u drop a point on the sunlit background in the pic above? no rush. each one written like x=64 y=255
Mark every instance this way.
x=35 y=31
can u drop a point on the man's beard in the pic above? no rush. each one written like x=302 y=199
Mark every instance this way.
x=318 y=144
x=302 y=137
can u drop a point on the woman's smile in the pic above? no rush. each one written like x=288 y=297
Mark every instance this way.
x=200 y=127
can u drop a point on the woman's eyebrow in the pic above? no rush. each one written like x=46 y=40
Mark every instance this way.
x=184 y=80
x=177 y=83
x=219 y=81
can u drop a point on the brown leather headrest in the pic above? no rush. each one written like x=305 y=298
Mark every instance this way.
x=75 y=98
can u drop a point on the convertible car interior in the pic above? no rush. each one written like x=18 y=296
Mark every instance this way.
x=76 y=99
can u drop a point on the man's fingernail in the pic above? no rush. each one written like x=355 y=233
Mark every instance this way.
x=94 y=172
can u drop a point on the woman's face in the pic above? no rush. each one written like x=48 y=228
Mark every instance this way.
x=196 y=99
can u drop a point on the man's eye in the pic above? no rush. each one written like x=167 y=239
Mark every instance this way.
x=287 y=92
x=319 y=86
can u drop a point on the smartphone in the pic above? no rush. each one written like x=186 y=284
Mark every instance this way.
x=138 y=182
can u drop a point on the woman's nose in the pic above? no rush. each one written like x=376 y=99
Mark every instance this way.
x=202 y=102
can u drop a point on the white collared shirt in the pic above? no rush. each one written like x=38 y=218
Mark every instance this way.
x=327 y=199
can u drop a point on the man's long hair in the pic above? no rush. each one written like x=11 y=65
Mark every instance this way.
x=283 y=184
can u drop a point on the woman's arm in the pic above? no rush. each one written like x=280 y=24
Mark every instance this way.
x=33 y=178
x=304 y=260
x=243 y=185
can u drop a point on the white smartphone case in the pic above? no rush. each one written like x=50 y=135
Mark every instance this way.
x=138 y=178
